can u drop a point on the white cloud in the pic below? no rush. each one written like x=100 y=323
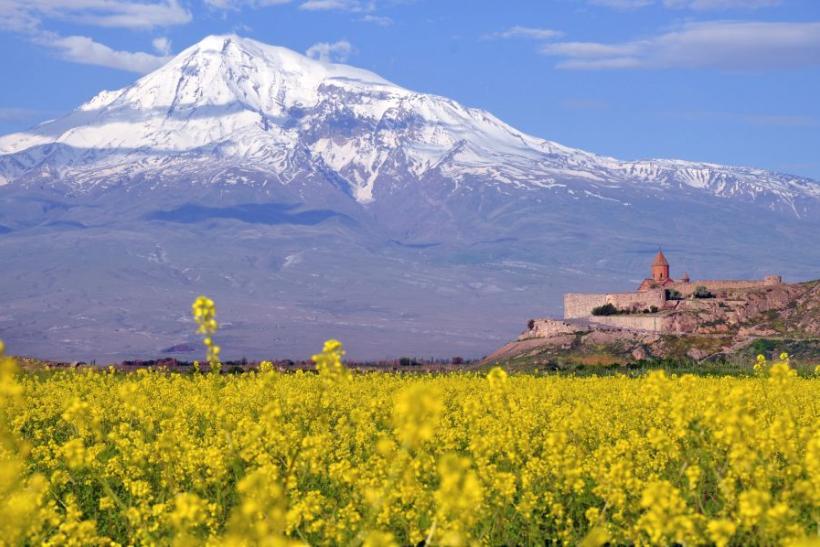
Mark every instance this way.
x=381 y=20
x=26 y=15
x=720 y=4
x=356 y=6
x=622 y=4
x=323 y=5
x=84 y=50
x=238 y=4
x=242 y=28
x=162 y=45
x=701 y=5
x=731 y=45
x=527 y=32
x=337 y=52
x=366 y=7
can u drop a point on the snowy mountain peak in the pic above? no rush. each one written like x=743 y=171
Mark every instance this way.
x=223 y=70
x=232 y=102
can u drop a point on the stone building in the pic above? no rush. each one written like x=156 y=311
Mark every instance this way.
x=660 y=274
x=655 y=294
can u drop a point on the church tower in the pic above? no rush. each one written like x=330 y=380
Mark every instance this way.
x=660 y=268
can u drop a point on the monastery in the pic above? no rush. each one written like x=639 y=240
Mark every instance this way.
x=656 y=294
x=666 y=316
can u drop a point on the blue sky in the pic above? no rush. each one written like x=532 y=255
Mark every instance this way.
x=727 y=81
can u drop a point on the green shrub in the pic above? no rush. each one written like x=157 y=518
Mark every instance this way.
x=702 y=292
x=673 y=294
x=606 y=309
x=763 y=346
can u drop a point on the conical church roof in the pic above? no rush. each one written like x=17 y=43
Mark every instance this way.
x=660 y=260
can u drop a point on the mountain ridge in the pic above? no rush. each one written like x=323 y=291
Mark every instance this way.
x=263 y=106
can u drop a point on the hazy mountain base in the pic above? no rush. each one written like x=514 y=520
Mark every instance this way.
x=96 y=275
x=111 y=274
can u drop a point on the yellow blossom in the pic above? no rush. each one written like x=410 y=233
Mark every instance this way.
x=204 y=311
x=152 y=458
x=721 y=531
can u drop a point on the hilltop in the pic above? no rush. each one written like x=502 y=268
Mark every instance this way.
x=740 y=322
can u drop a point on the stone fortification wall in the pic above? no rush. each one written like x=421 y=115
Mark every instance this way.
x=577 y=305
x=637 y=301
x=546 y=328
x=715 y=285
x=580 y=305
x=653 y=323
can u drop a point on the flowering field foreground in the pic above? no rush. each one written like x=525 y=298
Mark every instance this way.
x=378 y=459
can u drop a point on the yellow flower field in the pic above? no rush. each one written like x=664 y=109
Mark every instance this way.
x=377 y=459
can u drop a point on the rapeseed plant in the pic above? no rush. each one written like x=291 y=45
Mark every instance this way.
x=204 y=311
x=270 y=458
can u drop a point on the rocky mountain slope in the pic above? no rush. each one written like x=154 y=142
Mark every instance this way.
x=315 y=199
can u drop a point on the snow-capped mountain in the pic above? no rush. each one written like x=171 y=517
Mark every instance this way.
x=313 y=199
x=237 y=102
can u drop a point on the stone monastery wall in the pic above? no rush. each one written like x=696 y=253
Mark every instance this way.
x=717 y=285
x=651 y=323
x=580 y=305
x=637 y=301
x=545 y=328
